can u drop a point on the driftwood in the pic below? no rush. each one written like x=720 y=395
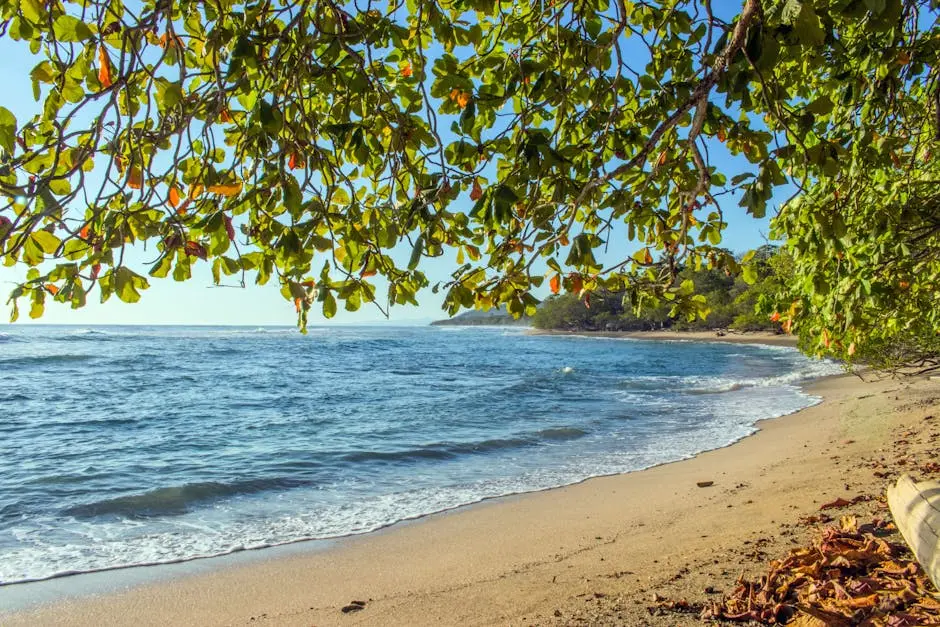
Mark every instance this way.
x=916 y=511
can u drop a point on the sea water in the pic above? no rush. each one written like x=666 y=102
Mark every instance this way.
x=123 y=446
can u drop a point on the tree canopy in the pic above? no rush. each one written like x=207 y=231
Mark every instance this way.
x=304 y=141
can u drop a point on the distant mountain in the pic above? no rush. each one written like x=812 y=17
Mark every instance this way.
x=475 y=318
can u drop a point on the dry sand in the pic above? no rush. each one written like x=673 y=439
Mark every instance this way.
x=592 y=553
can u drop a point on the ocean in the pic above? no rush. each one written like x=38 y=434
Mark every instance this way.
x=123 y=446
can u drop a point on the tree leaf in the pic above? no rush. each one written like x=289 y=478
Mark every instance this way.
x=70 y=29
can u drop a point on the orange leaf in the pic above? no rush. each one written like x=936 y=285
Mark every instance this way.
x=827 y=342
x=407 y=71
x=367 y=273
x=722 y=136
x=295 y=161
x=297 y=303
x=787 y=326
x=662 y=159
x=647 y=258
x=309 y=283
x=135 y=179
x=462 y=98
x=227 y=189
x=225 y=116
x=555 y=283
x=477 y=191
x=168 y=41
x=95 y=269
x=84 y=232
x=174 y=197
x=775 y=316
x=104 y=67
x=52 y=289
x=181 y=210
x=587 y=300
x=563 y=240
x=576 y=283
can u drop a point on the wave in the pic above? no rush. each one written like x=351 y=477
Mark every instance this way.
x=9 y=398
x=40 y=360
x=91 y=422
x=561 y=433
x=177 y=500
x=82 y=335
x=719 y=385
x=450 y=450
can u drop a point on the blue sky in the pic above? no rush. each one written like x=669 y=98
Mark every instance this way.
x=198 y=301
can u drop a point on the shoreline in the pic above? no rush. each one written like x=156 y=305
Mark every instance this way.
x=490 y=555
x=750 y=337
x=155 y=571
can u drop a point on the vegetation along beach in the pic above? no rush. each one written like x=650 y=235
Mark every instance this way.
x=459 y=312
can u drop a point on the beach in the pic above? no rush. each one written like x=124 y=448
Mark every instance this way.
x=598 y=552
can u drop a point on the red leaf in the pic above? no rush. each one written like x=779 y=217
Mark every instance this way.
x=477 y=191
x=195 y=249
x=839 y=502
x=95 y=269
x=229 y=228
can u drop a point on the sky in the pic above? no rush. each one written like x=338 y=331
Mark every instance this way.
x=198 y=301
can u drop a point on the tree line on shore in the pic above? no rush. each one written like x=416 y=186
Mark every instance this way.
x=731 y=302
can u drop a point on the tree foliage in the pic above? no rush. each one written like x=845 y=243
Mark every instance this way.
x=304 y=141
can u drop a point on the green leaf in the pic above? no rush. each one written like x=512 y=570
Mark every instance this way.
x=46 y=241
x=127 y=283
x=329 y=306
x=416 y=252
x=7 y=130
x=70 y=29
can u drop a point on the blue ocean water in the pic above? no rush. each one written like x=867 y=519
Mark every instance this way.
x=140 y=445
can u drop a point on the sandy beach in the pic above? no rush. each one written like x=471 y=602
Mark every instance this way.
x=592 y=553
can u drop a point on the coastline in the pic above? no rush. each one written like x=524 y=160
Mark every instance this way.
x=751 y=337
x=601 y=545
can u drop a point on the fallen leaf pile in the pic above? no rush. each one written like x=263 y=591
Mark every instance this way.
x=850 y=576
